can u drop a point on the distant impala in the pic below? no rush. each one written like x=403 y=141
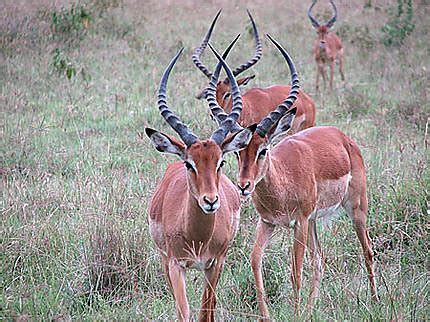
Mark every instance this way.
x=295 y=181
x=194 y=212
x=327 y=48
x=257 y=102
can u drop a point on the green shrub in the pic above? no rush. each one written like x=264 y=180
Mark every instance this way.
x=72 y=22
x=62 y=64
x=400 y=24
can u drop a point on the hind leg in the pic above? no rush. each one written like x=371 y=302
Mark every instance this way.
x=316 y=256
x=331 y=74
x=358 y=213
x=342 y=75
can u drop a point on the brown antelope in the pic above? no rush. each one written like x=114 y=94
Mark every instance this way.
x=194 y=212
x=297 y=180
x=327 y=48
x=257 y=102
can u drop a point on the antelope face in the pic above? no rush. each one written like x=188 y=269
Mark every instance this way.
x=322 y=34
x=254 y=159
x=252 y=164
x=203 y=162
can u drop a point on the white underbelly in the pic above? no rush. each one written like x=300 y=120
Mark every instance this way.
x=331 y=193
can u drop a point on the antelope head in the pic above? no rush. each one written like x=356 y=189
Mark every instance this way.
x=253 y=159
x=224 y=88
x=203 y=159
x=322 y=30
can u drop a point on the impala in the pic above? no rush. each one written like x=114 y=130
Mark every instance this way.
x=194 y=211
x=257 y=102
x=297 y=180
x=327 y=48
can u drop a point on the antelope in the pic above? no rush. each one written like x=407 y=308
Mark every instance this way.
x=327 y=48
x=257 y=102
x=297 y=180
x=194 y=211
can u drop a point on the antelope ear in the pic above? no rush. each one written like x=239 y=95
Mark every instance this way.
x=245 y=80
x=239 y=140
x=166 y=144
x=283 y=126
x=202 y=94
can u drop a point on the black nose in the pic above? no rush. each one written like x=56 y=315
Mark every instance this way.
x=210 y=203
x=243 y=189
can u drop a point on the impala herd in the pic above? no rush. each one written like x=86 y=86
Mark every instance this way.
x=294 y=172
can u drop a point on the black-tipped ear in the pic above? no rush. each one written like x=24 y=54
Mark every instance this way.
x=149 y=131
x=245 y=80
x=283 y=126
x=165 y=144
x=252 y=127
x=239 y=140
x=202 y=94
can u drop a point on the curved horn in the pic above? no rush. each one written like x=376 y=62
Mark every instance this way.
x=184 y=132
x=217 y=112
x=331 y=22
x=199 y=50
x=258 y=49
x=274 y=116
x=228 y=123
x=313 y=20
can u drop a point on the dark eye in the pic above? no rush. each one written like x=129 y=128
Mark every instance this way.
x=226 y=96
x=262 y=153
x=188 y=166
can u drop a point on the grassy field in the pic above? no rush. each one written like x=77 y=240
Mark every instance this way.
x=78 y=85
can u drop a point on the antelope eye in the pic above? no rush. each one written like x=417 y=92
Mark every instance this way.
x=226 y=96
x=262 y=153
x=189 y=166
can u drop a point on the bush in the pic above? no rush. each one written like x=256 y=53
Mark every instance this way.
x=400 y=25
x=70 y=22
x=62 y=64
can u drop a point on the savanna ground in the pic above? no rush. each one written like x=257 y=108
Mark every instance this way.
x=77 y=88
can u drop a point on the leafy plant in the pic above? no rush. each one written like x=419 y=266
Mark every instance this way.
x=70 y=22
x=62 y=64
x=400 y=25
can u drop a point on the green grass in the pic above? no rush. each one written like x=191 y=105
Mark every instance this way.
x=78 y=172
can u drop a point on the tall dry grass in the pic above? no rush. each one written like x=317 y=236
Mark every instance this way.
x=77 y=173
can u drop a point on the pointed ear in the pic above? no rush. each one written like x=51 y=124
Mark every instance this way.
x=245 y=80
x=202 y=94
x=166 y=144
x=283 y=126
x=239 y=140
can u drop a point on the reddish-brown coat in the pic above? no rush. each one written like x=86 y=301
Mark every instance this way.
x=302 y=177
x=327 y=49
x=258 y=102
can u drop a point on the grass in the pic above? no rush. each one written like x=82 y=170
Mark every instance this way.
x=77 y=172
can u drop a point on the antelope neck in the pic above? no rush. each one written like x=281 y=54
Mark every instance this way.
x=199 y=226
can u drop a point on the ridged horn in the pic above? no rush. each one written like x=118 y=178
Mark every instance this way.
x=258 y=49
x=199 y=50
x=264 y=126
x=184 y=132
x=217 y=112
x=228 y=123
x=331 y=22
x=313 y=20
